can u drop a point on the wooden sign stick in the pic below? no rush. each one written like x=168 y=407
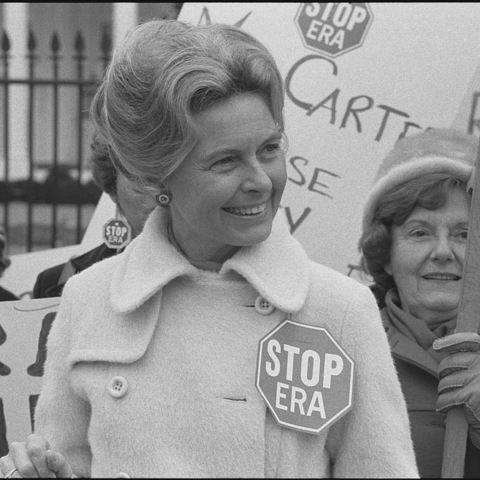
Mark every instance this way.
x=468 y=321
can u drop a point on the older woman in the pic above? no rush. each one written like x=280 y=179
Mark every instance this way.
x=413 y=244
x=152 y=360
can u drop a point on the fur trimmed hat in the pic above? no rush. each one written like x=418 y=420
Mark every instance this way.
x=431 y=151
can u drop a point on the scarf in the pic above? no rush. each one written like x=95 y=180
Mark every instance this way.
x=415 y=328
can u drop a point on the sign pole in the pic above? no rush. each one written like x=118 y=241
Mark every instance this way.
x=468 y=321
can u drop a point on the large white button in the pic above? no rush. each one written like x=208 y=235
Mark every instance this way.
x=117 y=387
x=263 y=306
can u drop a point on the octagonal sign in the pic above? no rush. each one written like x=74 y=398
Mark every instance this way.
x=116 y=233
x=333 y=28
x=305 y=376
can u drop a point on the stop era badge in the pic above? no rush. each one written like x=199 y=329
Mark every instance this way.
x=117 y=233
x=305 y=376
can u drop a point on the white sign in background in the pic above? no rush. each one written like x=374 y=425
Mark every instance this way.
x=417 y=64
x=22 y=349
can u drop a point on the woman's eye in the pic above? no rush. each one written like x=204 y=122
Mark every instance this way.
x=271 y=149
x=463 y=234
x=223 y=161
x=418 y=233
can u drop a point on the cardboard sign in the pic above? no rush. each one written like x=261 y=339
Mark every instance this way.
x=24 y=328
x=333 y=28
x=358 y=76
x=117 y=233
x=305 y=377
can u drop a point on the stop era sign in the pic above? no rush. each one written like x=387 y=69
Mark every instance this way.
x=304 y=376
x=333 y=28
x=116 y=233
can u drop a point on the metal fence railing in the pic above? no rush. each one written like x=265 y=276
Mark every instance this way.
x=50 y=203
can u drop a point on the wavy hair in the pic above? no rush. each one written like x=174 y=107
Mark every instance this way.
x=429 y=191
x=425 y=187
x=167 y=71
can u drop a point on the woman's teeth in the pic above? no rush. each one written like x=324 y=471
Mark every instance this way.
x=246 y=211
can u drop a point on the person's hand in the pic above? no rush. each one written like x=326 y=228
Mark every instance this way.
x=34 y=459
x=459 y=374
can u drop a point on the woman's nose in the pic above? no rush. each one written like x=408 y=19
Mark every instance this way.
x=256 y=179
x=443 y=249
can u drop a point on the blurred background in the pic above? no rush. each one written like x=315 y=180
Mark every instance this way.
x=52 y=56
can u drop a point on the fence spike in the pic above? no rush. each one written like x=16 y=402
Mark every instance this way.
x=5 y=42
x=32 y=43
x=55 y=43
x=106 y=43
x=79 y=43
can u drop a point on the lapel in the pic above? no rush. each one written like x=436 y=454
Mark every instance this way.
x=277 y=268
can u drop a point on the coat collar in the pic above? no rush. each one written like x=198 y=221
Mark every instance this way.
x=277 y=268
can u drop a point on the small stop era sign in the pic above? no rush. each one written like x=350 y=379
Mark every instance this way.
x=333 y=28
x=116 y=233
x=305 y=376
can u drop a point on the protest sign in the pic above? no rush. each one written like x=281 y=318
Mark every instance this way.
x=358 y=77
x=305 y=376
x=24 y=327
x=117 y=233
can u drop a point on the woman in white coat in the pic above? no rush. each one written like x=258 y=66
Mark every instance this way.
x=154 y=365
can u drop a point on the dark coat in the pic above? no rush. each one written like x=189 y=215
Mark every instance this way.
x=50 y=283
x=6 y=296
x=417 y=372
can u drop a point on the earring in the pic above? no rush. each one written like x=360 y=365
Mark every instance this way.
x=163 y=199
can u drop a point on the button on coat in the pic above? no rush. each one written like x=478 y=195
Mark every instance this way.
x=263 y=306
x=117 y=387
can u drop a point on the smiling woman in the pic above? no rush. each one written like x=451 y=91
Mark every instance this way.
x=152 y=359
x=414 y=239
x=229 y=187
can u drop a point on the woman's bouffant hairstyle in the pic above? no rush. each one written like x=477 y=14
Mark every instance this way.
x=4 y=260
x=164 y=73
x=103 y=168
x=418 y=172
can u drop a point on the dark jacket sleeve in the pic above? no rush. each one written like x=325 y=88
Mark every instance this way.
x=46 y=284
x=6 y=295
x=50 y=283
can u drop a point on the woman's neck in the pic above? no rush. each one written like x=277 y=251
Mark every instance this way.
x=432 y=318
x=206 y=259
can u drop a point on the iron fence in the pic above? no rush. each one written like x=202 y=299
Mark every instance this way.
x=51 y=204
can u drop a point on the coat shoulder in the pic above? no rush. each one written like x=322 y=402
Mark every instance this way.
x=96 y=279
x=330 y=285
x=335 y=301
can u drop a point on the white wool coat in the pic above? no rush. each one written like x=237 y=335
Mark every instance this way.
x=184 y=343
